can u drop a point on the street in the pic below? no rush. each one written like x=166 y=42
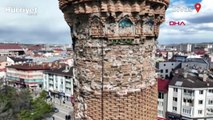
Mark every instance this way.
x=64 y=109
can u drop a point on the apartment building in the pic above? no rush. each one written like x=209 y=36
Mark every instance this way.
x=26 y=75
x=59 y=82
x=166 y=67
x=190 y=96
x=162 y=98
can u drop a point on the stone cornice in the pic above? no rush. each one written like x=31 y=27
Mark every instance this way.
x=91 y=6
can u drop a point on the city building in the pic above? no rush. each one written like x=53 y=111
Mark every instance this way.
x=26 y=75
x=196 y=63
x=10 y=49
x=114 y=44
x=179 y=58
x=59 y=82
x=190 y=96
x=162 y=98
x=7 y=61
x=165 y=68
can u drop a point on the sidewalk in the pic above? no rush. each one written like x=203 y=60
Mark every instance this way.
x=67 y=104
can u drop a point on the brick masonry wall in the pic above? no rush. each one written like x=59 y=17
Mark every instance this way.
x=115 y=41
x=133 y=106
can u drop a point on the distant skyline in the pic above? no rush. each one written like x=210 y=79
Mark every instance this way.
x=42 y=22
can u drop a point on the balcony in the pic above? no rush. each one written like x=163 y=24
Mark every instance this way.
x=209 y=112
x=51 y=82
x=68 y=85
x=175 y=94
x=68 y=80
x=188 y=95
x=187 y=111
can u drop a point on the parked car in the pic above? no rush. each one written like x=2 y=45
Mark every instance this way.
x=56 y=110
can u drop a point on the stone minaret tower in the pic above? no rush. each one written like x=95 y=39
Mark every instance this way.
x=114 y=43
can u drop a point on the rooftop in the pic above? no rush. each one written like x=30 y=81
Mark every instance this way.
x=191 y=80
x=16 y=59
x=10 y=46
x=30 y=66
x=63 y=71
x=163 y=85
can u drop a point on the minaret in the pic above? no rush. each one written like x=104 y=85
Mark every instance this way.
x=114 y=43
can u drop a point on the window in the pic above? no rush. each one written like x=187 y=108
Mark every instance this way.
x=210 y=102
x=172 y=64
x=201 y=92
x=189 y=101
x=174 y=108
x=184 y=100
x=189 y=92
x=160 y=112
x=175 y=99
x=160 y=95
x=161 y=71
x=164 y=65
x=160 y=103
x=210 y=90
x=200 y=102
x=200 y=111
x=210 y=110
x=167 y=71
x=186 y=111
x=175 y=89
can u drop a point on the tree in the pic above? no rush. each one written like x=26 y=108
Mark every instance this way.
x=40 y=109
x=12 y=101
x=18 y=104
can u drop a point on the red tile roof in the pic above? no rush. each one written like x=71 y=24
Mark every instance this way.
x=30 y=67
x=10 y=46
x=35 y=47
x=163 y=85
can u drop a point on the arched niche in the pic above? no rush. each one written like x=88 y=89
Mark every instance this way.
x=148 y=25
x=96 y=26
x=126 y=27
x=110 y=20
x=110 y=26
x=125 y=22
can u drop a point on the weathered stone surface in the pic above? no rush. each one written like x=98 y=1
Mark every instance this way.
x=114 y=49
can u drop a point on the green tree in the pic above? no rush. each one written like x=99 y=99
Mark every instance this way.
x=18 y=104
x=12 y=101
x=40 y=109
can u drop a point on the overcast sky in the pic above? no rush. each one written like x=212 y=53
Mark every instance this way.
x=41 y=21
x=44 y=22
x=198 y=28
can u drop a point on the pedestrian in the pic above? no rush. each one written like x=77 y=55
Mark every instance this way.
x=72 y=100
x=53 y=118
x=69 y=117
